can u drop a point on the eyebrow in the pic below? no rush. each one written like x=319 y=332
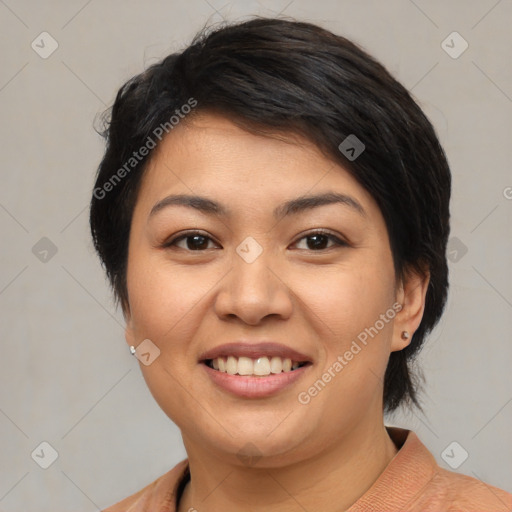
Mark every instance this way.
x=292 y=207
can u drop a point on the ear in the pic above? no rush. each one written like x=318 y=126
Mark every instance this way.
x=129 y=333
x=412 y=290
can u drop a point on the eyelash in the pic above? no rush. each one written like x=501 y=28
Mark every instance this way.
x=337 y=241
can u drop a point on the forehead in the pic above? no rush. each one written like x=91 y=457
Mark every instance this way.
x=211 y=155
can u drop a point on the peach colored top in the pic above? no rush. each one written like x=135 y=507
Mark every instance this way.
x=411 y=482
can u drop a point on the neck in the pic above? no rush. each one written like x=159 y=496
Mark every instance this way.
x=331 y=481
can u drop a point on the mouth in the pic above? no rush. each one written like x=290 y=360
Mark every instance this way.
x=259 y=367
x=254 y=368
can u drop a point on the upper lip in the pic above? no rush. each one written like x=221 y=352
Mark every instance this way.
x=254 y=350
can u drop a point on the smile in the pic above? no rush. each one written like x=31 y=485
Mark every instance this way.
x=249 y=384
x=258 y=367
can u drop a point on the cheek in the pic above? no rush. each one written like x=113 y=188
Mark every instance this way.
x=346 y=299
x=163 y=297
x=165 y=303
x=351 y=307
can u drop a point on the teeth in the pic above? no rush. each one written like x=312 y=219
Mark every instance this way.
x=262 y=366
x=245 y=366
x=231 y=365
x=276 y=365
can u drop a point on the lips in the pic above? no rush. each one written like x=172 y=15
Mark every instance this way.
x=254 y=369
x=255 y=387
x=254 y=350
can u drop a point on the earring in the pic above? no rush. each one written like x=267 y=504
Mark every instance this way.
x=132 y=350
x=405 y=335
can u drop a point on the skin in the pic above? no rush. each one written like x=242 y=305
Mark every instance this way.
x=319 y=456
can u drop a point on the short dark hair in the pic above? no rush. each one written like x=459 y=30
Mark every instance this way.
x=291 y=76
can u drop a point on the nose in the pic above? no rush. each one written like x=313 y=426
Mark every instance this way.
x=253 y=291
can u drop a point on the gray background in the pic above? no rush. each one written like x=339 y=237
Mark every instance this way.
x=66 y=376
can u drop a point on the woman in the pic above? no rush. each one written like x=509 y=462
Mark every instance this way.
x=272 y=211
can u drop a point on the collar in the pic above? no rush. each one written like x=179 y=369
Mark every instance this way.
x=403 y=479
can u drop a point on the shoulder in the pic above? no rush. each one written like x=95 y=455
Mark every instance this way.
x=124 y=505
x=414 y=482
x=462 y=493
x=157 y=493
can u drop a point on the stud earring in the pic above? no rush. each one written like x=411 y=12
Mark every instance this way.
x=405 y=335
x=132 y=350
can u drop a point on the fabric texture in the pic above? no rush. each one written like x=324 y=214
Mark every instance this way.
x=411 y=482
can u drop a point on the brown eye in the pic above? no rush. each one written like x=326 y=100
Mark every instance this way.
x=196 y=241
x=318 y=240
x=193 y=241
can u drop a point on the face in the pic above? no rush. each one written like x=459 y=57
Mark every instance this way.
x=251 y=265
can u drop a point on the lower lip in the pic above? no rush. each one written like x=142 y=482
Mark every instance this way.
x=255 y=387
